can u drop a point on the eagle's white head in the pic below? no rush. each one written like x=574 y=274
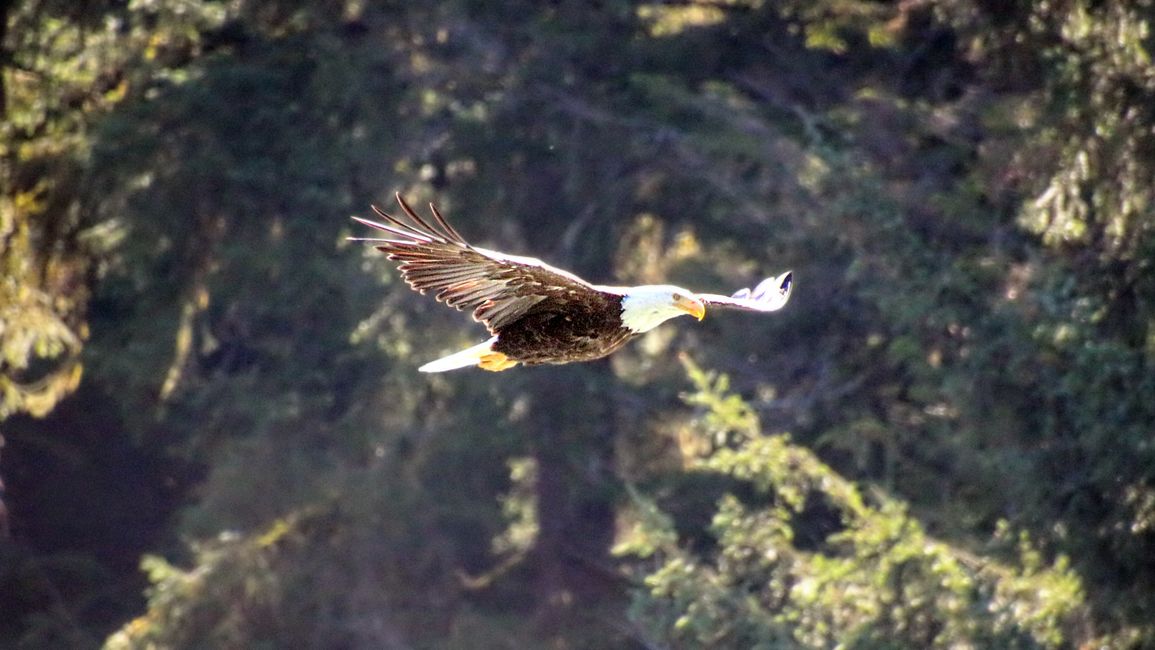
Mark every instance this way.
x=647 y=306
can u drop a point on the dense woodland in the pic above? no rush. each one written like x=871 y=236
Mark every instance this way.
x=215 y=435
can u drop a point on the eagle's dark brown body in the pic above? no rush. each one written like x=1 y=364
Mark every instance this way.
x=556 y=331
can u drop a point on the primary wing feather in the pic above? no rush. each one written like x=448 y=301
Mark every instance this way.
x=771 y=294
x=499 y=288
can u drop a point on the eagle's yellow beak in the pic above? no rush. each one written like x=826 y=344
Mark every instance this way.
x=691 y=306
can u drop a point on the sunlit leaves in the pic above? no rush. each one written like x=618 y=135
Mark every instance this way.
x=67 y=68
x=235 y=584
x=1088 y=167
x=40 y=331
x=812 y=563
x=667 y=20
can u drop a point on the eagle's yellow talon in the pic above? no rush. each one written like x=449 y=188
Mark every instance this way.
x=495 y=362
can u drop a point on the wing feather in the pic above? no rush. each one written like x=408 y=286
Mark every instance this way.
x=434 y=257
x=770 y=294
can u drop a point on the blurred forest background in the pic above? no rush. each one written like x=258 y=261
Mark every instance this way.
x=215 y=436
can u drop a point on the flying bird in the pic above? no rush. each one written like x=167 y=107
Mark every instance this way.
x=538 y=314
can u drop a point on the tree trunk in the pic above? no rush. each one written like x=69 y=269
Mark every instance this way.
x=574 y=452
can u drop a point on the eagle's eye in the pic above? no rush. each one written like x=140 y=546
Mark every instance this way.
x=678 y=296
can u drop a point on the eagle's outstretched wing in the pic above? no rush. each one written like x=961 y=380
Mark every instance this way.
x=771 y=294
x=499 y=288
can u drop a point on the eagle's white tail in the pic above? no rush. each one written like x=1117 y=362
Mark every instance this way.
x=467 y=357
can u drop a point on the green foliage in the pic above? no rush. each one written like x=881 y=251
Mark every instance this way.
x=1094 y=188
x=812 y=562
x=243 y=593
x=379 y=563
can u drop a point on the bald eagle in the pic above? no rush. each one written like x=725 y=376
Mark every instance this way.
x=536 y=313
